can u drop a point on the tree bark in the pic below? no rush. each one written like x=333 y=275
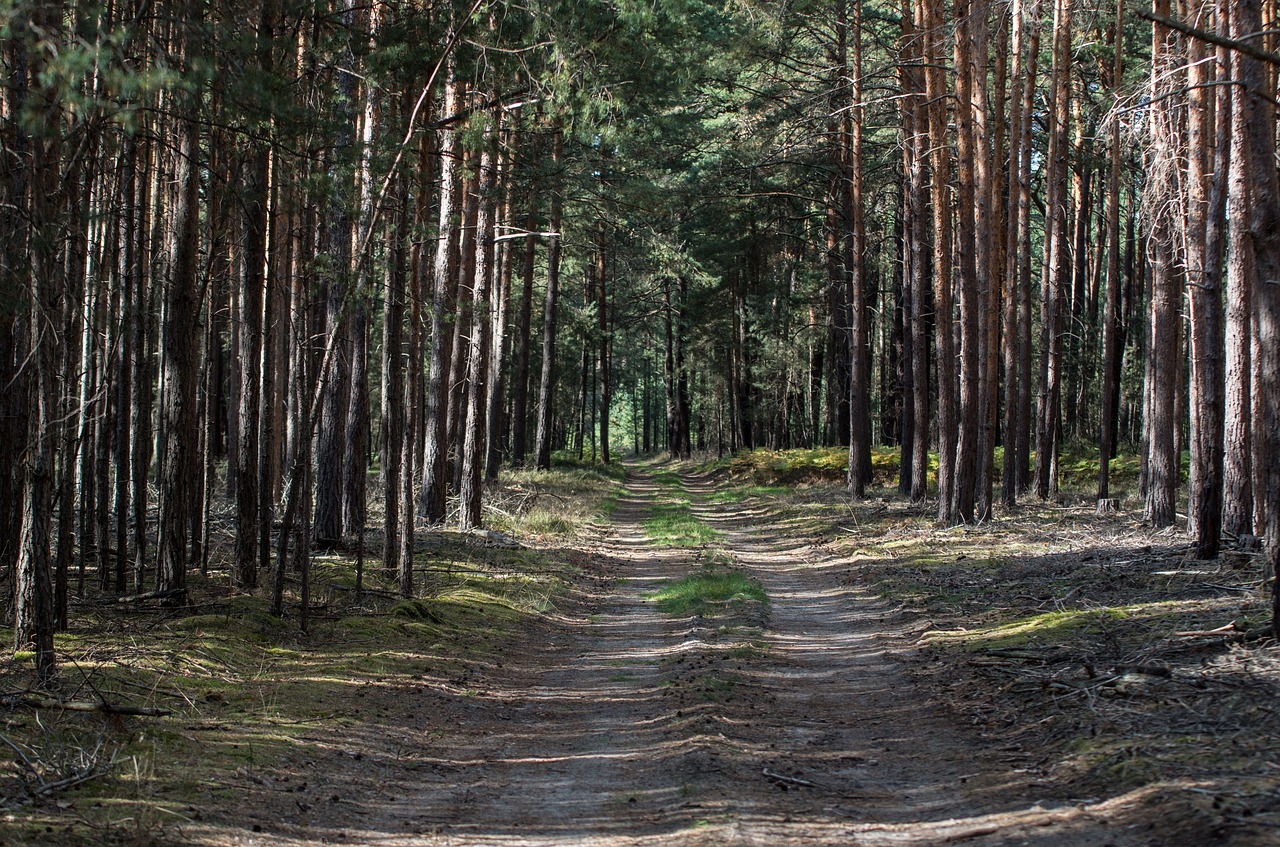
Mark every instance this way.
x=471 y=492
x=546 y=389
x=1238 y=436
x=179 y=347
x=1164 y=321
x=1111 y=341
x=1204 y=246
x=431 y=504
x=1058 y=266
x=940 y=199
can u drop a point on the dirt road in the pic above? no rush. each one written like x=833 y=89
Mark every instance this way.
x=799 y=724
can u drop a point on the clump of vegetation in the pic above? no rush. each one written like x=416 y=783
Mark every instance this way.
x=673 y=524
x=564 y=503
x=700 y=592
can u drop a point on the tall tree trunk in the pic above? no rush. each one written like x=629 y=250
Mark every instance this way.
x=1204 y=245
x=179 y=346
x=1112 y=349
x=254 y=206
x=1058 y=264
x=501 y=343
x=547 y=384
x=128 y=276
x=471 y=491
x=1254 y=118
x=392 y=438
x=431 y=504
x=940 y=199
x=33 y=602
x=859 y=468
x=1164 y=322
x=332 y=451
x=1022 y=434
x=1238 y=436
x=520 y=388
x=602 y=321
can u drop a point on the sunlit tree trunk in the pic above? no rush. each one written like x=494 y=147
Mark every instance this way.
x=1057 y=267
x=1204 y=245
x=471 y=491
x=431 y=505
x=547 y=383
x=1164 y=323
x=1238 y=466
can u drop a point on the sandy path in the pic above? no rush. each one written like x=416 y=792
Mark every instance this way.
x=623 y=726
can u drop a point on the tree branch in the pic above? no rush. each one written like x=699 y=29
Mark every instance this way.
x=1210 y=37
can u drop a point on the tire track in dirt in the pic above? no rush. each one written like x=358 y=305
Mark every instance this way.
x=579 y=745
x=887 y=766
x=597 y=728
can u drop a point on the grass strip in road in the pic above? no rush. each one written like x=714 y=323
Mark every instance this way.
x=699 y=592
x=673 y=524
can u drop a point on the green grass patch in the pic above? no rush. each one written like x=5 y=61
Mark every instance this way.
x=669 y=479
x=699 y=592
x=673 y=524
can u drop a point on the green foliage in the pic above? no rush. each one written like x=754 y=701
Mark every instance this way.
x=700 y=592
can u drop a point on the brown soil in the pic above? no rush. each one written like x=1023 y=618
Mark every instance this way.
x=810 y=722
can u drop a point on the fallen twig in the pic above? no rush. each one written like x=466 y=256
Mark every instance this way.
x=35 y=702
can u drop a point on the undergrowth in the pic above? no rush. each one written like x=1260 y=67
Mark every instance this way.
x=253 y=701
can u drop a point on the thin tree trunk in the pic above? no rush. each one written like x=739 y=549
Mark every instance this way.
x=471 y=491
x=546 y=390
x=936 y=94
x=520 y=388
x=1164 y=322
x=431 y=504
x=1238 y=493
x=1204 y=246
x=1112 y=349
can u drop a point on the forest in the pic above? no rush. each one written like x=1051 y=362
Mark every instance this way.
x=284 y=280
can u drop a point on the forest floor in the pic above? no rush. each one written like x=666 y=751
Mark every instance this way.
x=717 y=659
